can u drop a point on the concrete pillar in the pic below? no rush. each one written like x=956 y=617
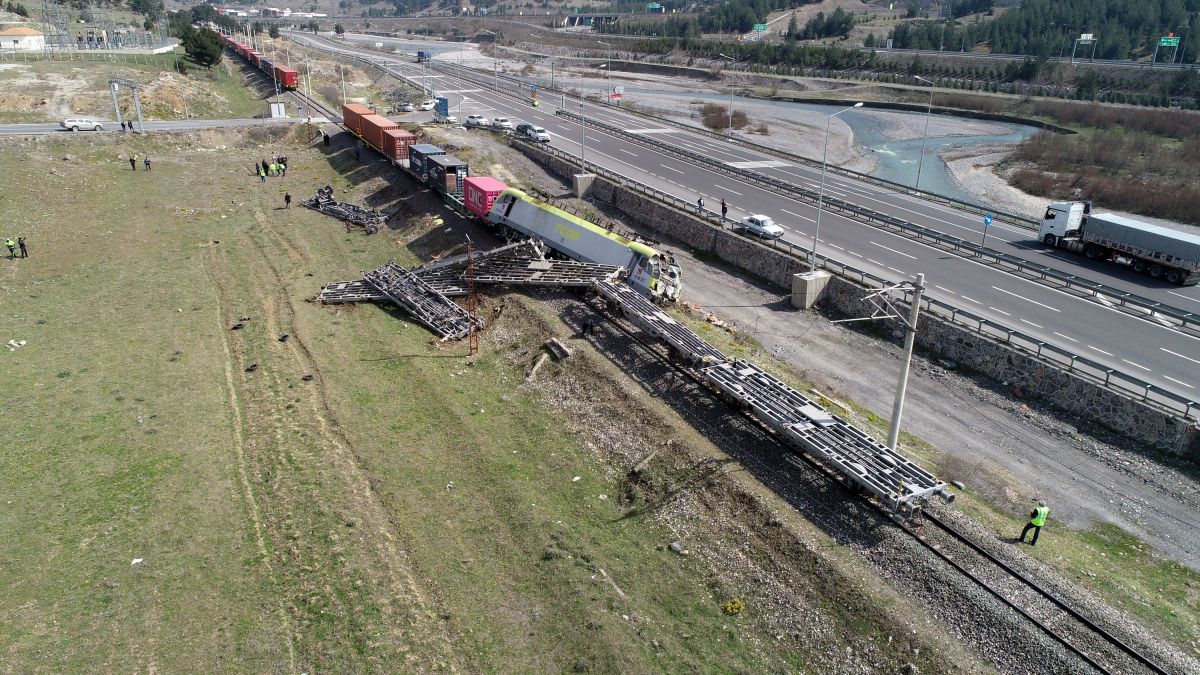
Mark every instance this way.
x=808 y=288
x=582 y=182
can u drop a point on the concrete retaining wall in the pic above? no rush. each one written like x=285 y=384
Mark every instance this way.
x=1035 y=378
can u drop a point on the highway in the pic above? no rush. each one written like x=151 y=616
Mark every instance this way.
x=1156 y=353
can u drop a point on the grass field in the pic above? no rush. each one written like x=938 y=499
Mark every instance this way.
x=403 y=509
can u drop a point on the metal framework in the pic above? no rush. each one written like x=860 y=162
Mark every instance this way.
x=54 y=28
x=115 y=83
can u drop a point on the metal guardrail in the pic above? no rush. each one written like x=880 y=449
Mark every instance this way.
x=1122 y=298
x=969 y=207
x=1111 y=378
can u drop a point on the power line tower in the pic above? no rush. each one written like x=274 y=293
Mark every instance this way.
x=54 y=28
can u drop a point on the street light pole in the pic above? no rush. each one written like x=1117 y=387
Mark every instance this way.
x=729 y=130
x=910 y=335
x=925 y=136
x=821 y=195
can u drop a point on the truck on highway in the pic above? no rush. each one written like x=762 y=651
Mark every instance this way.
x=424 y=55
x=1161 y=252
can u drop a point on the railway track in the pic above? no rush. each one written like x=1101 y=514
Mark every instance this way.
x=1096 y=648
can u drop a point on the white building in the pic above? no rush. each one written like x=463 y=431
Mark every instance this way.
x=22 y=39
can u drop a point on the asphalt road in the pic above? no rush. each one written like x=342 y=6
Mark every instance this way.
x=111 y=126
x=1144 y=349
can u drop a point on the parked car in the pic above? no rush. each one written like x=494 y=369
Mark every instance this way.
x=448 y=119
x=77 y=123
x=762 y=226
x=502 y=124
x=477 y=121
x=523 y=129
x=428 y=105
x=406 y=107
x=537 y=134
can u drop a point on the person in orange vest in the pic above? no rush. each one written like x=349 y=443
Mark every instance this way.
x=1037 y=518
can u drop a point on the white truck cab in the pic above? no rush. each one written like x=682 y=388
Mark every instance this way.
x=1062 y=220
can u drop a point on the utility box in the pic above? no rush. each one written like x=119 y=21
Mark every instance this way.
x=278 y=110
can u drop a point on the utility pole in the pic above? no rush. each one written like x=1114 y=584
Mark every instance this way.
x=902 y=383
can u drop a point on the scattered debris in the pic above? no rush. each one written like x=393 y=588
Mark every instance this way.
x=308 y=378
x=136 y=561
x=449 y=486
x=237 y=326
x=351 y=214
x=557 y=349
x=675 y=547
x=244 y=318
x=252 y=367
x=14 y=345
x=536 y=366
x=575 y=479
x=283 y=338
x=958 y=484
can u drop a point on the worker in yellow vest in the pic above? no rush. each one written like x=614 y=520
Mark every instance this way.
x=1036 y=520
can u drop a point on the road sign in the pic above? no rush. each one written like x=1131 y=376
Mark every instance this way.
x=443 y=107
x=760 y=27
x=1168 y=42
x=1087 y=36
x=653 y=5
x=987 y=220
x=533 y=87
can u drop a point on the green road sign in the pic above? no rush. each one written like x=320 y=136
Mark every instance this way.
x=760 y=27
x=654 y=5
x=1168 y=42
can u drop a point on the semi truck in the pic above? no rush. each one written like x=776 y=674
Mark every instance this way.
x=1161 y=252
x=424 y=55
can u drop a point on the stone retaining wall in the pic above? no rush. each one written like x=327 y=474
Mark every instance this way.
x=1035 y=378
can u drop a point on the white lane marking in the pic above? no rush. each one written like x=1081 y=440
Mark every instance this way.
x=1178 y=382
x=1026 y=299
x=1068 y=337
x=798 y=215
x=1184 y=296
x=628 y=152
x=970 y=300
x=876 y=262
x=999 y=310
x=1031 y=323
x=668 y=168
x=1099 y=350
x=875 y=243
x=896 y=270
x=945 y=289
x=833 y=245
x=856 y=255
x=1135 y=365
x=1188 y=358
x=722 y=187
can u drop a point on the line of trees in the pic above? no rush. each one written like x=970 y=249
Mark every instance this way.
x=837 y=24
x=1124 y=29
x=16 y=8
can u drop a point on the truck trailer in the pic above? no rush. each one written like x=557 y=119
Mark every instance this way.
x=1161 y=252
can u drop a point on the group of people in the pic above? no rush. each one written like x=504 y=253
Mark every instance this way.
x=126 y=126
x=12 y=247
x=700 y=206
x=133 y=162
x=277 y=167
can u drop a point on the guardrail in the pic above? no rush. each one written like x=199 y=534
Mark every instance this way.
x=969 y=207
x=1111 y=378
x=944 y=241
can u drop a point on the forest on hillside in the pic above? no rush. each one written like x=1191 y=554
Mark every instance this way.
x=1123 y=29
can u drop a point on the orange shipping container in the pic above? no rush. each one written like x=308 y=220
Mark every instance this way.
x=352 y=115
x=396 y=142
x=373 y=127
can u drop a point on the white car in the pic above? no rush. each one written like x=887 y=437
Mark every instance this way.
x=477 y=121
x=77 y=123
x=538 y=134
x=448 y=119
x=502 y=124
x=405 y=107
x=762 y=226
x=428 y=105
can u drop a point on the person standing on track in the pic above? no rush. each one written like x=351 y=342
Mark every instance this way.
x=1036 y=520
x=287 y=200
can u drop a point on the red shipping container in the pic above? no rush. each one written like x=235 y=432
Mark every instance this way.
x=352 y=114
x=287 y=77
x=396 y=142
x=373 y=127
x=480 y=192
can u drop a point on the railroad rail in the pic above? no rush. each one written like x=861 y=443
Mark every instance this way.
x=1115 y=657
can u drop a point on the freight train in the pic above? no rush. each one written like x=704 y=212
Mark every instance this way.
x=287 y=78
x=512 y=212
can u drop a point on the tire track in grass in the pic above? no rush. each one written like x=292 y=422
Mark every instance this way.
x=212 y=265
x=406 y=582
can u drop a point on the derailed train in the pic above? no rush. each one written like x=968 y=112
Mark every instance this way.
x=287 y=78
x=513 y=212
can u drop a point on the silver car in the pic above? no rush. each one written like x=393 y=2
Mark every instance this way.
x=77 y=123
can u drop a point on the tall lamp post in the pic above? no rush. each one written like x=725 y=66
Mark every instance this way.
x=731 y=62
x=821 y=195
x=925 y=136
